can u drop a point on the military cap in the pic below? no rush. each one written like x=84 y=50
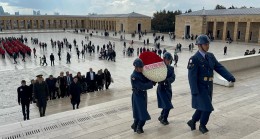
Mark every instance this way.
x=138 y=63
x=202 y=39
x=39 y=76
x=167 y=56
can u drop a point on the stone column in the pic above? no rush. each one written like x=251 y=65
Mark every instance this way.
x=25 y=24
x=31 y=24
x=38 y=22
x=44 y=24
x=247 y=31
x=259 y=36
x=4 y=27
x=215 y=30
x=11 y=24
x=18 y=24
x=224 y=36
x=235 y=31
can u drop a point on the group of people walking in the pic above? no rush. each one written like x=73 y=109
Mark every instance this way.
x=40 y=90
x=200 y=75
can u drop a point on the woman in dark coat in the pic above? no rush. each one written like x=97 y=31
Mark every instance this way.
x=75 y=91
x=100 y=80
x=107 y=77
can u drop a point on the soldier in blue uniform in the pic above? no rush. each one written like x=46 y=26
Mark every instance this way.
x=200 y=74
x=164 y=90
x=139 y=97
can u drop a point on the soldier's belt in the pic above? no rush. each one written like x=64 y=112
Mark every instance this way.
x=208 y=78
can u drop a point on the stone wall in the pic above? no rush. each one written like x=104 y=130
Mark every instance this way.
x=241 y=28
x=127 y=24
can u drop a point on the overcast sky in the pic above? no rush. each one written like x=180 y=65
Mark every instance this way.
x=147 y=7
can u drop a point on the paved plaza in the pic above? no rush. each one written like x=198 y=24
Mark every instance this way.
x=108 y=114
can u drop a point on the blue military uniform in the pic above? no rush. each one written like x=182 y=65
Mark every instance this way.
x=200 y=74
x=139 y=98
x=164 y=93
x=164 y=90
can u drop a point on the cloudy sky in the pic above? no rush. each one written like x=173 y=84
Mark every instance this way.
x=147 y=7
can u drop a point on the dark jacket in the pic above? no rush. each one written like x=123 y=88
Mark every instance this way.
x=75 y=91
x=41 y=93
x=88 y=78
x=200 y=74
x=107 y=76
x=139 y=97
x=51 y=83
x=51 y=57
x=99 y=79
x=24 y=94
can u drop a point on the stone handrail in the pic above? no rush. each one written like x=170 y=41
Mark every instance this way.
x=236 y=64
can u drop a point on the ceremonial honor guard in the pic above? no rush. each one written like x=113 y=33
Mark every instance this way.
x=200 y=74
x=139 y=97
x=164 y=90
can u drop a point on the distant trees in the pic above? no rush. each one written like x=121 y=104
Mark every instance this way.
x=219 y=7
x=164 y=21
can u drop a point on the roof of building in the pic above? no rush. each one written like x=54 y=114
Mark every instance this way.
x=133 y=14
x=43 y=15
x=245 y=11
x=130 y=15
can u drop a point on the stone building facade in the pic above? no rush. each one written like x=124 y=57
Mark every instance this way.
x=115 y=22
x=241 y=25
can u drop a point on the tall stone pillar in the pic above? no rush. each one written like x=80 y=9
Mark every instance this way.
x=44 y=23
x=25 y=24
x=224 y=36
x=18 y=24
x=235 y=31
x=30 y=23
x=4 y=24
x=215 y=29
x=38 y=22
x=259 y=36
x=247 y=31
x=11 y=24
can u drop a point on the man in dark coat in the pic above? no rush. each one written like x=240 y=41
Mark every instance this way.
x=200 y=74
x=91 y=81
x=75 y=91
x=68 y=58
x=225 y=50
x=164 y=90
x=68 y=82
x=24 y=98
x=52 y=59
x=51 y=86
x=62 y=81
x=139 y=97
x=41 y=93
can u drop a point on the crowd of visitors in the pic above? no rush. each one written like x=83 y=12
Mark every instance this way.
x=64 y=85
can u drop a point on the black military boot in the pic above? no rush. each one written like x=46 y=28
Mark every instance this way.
x=164 y=121
x=160 y=118
x=203 y=129
x=134 y=126
x=192 y=124
x=139 y=130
